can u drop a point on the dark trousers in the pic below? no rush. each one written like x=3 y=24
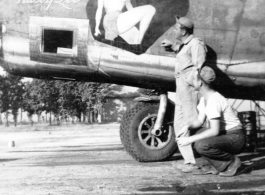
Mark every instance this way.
x=221 y=150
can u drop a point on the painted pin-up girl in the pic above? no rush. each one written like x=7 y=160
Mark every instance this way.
x=118 y=23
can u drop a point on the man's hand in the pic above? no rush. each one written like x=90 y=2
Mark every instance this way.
x=97 y=32
x=184 y=141
x=166 y=43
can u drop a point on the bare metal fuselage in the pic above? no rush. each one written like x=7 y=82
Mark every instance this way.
x=234 y=32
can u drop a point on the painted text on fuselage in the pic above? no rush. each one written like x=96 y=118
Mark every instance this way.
x=64 y=3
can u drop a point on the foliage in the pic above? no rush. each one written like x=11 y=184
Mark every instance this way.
x=81 y=97
x=12 y=89
x=62 y=98
x=148 y=92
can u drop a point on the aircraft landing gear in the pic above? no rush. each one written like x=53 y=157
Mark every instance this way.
x=137 y=136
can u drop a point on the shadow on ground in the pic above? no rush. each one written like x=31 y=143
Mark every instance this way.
x=227 y=188
x=8 y=160
x=253 y=161
x=250 y=162
x=81 y=148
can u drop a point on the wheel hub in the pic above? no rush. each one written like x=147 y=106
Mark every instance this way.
x=156 y=132
x=154 y=140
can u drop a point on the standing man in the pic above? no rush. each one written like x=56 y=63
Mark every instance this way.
x=191 y=54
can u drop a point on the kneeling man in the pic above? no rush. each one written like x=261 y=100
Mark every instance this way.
x=219 y=143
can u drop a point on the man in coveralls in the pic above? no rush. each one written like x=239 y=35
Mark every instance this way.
x=191 y=55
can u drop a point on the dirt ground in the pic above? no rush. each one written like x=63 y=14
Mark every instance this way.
x=90 y=159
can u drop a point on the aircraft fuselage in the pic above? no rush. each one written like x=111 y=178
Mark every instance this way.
x=54 y=39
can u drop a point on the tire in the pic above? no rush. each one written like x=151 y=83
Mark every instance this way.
x=136 y=138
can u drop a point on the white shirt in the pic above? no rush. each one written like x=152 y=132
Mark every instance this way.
x=218 y=107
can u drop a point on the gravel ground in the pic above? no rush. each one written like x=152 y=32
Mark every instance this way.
x=90 y=159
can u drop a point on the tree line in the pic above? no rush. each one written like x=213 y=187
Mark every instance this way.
x=64 y=99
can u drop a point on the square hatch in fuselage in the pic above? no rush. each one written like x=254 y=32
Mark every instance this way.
x=58 y=40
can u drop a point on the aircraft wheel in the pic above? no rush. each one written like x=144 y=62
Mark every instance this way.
x=136 y=134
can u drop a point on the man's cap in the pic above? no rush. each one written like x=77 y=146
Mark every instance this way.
x=184 y=21
x=207 y=74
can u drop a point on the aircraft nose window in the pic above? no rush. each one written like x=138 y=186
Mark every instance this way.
x=58 y=41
